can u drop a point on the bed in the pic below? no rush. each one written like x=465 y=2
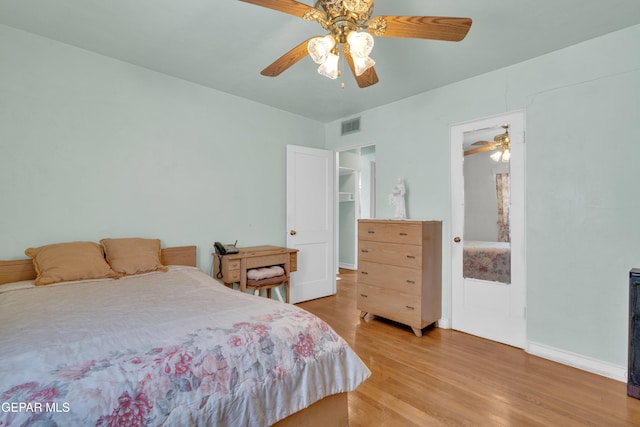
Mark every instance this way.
x=487 y=261
x=165 y=348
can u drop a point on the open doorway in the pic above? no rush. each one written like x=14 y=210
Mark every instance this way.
x=356 y=199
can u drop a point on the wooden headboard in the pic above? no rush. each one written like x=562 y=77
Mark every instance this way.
x=15 y=271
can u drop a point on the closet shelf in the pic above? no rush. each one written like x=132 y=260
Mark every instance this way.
x=346 y=197
x=345 y=171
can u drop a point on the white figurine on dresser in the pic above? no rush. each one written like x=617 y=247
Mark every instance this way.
x=396 y=199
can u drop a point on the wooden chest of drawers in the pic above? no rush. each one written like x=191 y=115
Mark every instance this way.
x=400 y=271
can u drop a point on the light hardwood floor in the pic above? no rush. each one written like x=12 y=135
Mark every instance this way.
x=448 y=378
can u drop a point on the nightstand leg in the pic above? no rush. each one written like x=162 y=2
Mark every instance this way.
x=287 y=284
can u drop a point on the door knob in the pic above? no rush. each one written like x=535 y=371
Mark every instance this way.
x=293 y=232
x=456 y=239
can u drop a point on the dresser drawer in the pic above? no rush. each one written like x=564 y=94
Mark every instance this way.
x=393 y=232
x=392 y=305
x=400 y=279
x=390 y=253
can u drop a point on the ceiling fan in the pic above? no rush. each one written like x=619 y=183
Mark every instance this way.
x=350 y=24
x=500 y=141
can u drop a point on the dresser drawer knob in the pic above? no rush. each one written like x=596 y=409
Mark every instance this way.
x=364 y=272
x=411 y=256
x=404 y=234
x=411 y=282
x=364 y=251
x=364 y=296
x=371 y=232
x=410 y=308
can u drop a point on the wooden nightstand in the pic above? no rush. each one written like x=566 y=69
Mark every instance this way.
x=232 y=268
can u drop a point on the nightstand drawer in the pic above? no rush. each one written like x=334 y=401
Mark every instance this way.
x=268 y=260
x=228 y=271
x=389 y=304
x=232 y=276
x=232 y=265
x=400 y=279
x=390 y=253
x=393 y=232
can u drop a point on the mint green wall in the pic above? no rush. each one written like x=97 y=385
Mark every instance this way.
x=583 y=145
x=91 y=147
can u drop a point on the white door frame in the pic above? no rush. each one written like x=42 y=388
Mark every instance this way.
x=517 y=334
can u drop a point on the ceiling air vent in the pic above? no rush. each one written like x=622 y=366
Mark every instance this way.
x=350 y=126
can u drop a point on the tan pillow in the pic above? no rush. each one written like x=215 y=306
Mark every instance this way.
x=133 y=255
x=62 y=262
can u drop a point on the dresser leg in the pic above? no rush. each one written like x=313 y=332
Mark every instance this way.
x=417 y=331
x=363 y=314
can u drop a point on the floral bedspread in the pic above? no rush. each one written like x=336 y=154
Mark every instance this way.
x=487 y=261
x=163 y=349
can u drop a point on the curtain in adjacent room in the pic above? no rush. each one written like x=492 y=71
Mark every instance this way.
x=502 y=189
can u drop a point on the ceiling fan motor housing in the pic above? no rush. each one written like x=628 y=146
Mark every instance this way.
x=360 y=9
x=342 y=17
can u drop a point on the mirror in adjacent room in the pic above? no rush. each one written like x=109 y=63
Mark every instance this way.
x=487 y=200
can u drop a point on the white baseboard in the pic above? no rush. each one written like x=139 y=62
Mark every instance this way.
x=347 y=266
x=579 y=361
x=575 y=360
x=444 y=323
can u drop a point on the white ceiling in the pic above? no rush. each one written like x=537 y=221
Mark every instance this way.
x=224 y=44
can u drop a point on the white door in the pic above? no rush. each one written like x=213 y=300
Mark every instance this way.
x=311 y=194
x=489 y=309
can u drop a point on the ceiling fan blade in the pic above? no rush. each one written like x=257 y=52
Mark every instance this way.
x=485 y=143
x=422 y=27
x=479 y=150
x=291 y=7
x=287 y=60
x=366 y=79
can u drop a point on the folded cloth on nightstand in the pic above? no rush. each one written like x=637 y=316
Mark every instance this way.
x=265 y=272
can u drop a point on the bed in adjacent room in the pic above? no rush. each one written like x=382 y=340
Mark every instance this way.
x=169 y=346
x=487 y=261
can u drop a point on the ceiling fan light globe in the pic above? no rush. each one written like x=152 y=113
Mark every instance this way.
x=362 y=64
x=330 y=67
x=496 y=156
x=319 y=48
x=506 y=155
x=360 y=43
